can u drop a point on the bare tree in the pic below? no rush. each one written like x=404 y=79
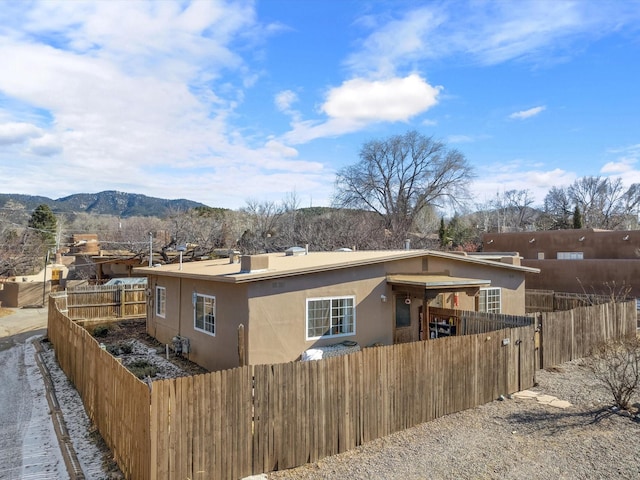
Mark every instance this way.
x=601 y=201
x=261 y=220
x=400 y=176
x=616 y=365
x=558 y=209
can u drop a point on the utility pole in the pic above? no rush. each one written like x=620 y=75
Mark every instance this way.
x=151 y=249
x=44 y=282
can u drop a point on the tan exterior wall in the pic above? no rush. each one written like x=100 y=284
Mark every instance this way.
x=511 y=283
x=212 y=352
x=278 y=310
x=273 y=311
x=22 y=294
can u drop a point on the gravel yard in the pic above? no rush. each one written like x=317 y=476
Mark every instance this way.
x=514 y=438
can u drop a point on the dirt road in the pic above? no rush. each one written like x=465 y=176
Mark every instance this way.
x=28 y=446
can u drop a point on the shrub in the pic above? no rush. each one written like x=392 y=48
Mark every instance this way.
x=142 y=369
x=616 y=364
x=100 y=331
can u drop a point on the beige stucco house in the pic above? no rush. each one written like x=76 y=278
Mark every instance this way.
x=294 y=301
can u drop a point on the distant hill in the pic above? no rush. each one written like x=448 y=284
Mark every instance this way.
x=119 y=204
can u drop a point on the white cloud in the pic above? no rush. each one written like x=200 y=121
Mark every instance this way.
x=459 y=139
x=500 y=178
x=360 y=102
x=281 y=149
x=531 y=112
x=285 y=99
x=18 y=132
x=487 y=33
x=622 y=166
x=391 y=100
x=45 y=146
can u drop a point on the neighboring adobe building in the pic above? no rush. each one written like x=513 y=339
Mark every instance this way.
x=291 y=302
x=579 y=261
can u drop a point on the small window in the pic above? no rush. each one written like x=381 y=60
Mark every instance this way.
x=204 y=314
x=570 y=256
x=489 y=300
x=161 y=301
x=403 y=312
x=330 y=317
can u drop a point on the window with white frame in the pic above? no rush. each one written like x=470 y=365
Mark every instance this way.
x=331 y=317
x=204 y=313
x=489 y=300
x=161 y=301
x=570 y=256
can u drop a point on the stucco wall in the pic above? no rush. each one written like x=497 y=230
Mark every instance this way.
x=585 y=276
x=511 y=282
x=273 y=311
x=594 y=244
x=21 y=294
x=278 y=333
x=212 y=352
x=609 y=257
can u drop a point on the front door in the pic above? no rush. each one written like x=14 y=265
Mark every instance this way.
x=406 y=327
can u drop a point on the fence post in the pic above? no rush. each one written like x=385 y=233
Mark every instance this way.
x=122 y=301
x=241 y=346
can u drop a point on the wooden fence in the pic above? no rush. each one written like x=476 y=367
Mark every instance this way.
x=114 y=399
x=575 y=333
x=303 y=411
x=550 y=301
x=256 y=419
x=103 y=301
x=469 y=322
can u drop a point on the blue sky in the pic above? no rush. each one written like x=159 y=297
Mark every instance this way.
x=225 y=102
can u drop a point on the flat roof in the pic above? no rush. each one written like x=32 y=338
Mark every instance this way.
x=282 y=265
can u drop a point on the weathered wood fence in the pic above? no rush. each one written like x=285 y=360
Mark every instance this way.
x=469 y=322
x=114 y=399
x=550 y=301
x=255 y=419
x=103 y=301
x=575 y=333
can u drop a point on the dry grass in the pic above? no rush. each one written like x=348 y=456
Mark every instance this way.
x=5 y=311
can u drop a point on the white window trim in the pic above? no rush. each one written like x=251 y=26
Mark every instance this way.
x=164 y=303
x=351 y=334
x=488 y=289
x=195 y=309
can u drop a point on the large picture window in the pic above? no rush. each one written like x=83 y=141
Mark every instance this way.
x=489 y=300
x=204 y=313
x=161 y=301
x=331 y=317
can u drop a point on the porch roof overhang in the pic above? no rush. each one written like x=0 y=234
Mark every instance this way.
x=435 y=282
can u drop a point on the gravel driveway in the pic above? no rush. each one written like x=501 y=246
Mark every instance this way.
x=514 y=439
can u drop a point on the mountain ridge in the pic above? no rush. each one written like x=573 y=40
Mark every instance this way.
x=108 y=202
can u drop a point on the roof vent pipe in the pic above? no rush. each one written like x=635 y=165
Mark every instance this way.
x=407 y=244
x=306 y=249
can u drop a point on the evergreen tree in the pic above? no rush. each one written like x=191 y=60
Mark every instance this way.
x=442 y=233
x=44 y=224
x=577 y=218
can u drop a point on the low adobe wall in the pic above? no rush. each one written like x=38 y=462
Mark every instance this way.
x=22 y=294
